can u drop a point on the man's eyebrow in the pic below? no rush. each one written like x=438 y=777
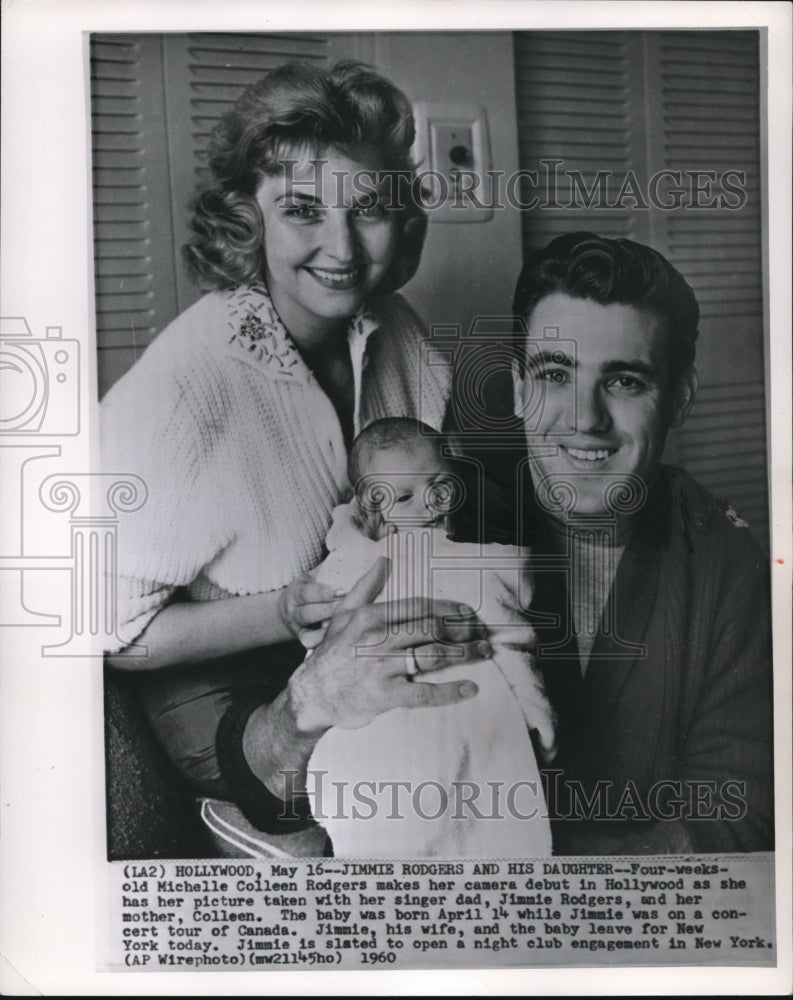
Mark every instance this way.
x=293 y=195
x=538 y=359
x=634 y=365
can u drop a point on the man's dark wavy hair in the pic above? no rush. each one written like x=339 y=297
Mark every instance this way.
x=298 y=108
x=586 y=266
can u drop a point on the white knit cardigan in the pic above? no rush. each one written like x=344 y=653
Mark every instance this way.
x=240 y=449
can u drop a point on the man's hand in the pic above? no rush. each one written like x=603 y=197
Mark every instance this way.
x=358 y=671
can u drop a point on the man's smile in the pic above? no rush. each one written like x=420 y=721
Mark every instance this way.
x=588 y=454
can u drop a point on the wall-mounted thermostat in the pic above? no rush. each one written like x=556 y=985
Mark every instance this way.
x=453 y=154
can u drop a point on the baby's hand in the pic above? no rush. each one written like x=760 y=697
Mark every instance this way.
x=306 y=607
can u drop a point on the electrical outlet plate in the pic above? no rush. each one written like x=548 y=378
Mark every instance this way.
x=452 y=150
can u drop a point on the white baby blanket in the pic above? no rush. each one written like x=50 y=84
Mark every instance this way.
x=456 y=781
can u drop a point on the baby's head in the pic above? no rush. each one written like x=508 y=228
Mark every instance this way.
x=401 y=476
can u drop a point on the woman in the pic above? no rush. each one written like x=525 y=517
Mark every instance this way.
x=238 y=419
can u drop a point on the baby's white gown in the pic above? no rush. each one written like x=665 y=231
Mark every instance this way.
x=470 y=784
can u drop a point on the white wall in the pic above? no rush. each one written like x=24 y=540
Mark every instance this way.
x=467 y=267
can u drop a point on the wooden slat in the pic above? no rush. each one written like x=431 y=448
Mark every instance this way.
x=573 y=99
x=134 y=294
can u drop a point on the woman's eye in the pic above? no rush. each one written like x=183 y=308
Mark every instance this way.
x=404 y=497
x=303 y=212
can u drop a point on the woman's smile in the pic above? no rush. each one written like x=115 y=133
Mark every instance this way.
x=342 y=279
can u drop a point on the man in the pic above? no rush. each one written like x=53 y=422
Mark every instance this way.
x=651 y=601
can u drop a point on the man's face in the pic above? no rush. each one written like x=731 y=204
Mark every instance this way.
x=606 y=411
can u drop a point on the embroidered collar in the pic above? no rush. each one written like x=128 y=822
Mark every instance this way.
x=257 y=334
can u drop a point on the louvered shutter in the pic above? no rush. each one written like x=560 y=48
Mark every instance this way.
x=709 y=90
x=134 y=293
x=616 y=102
x=574 y=100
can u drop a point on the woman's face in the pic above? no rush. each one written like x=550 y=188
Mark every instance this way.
x=328 y=238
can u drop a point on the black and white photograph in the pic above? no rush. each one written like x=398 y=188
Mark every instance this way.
x=411 y=510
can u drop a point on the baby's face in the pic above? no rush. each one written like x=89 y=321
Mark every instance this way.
x=417 y=483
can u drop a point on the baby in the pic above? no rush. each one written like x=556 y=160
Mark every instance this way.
x=457 y=781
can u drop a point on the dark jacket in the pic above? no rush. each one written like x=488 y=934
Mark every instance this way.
x=666 y=743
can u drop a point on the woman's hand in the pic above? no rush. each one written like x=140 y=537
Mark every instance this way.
x=359 y=669
x=305 y=607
